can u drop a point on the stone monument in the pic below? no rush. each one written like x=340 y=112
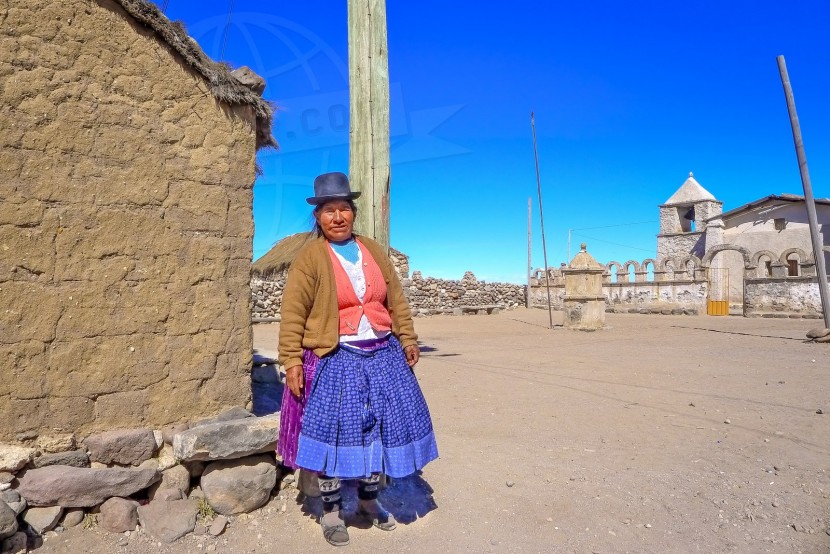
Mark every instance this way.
x=584 y=303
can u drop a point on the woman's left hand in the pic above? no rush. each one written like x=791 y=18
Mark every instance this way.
x=413 y=354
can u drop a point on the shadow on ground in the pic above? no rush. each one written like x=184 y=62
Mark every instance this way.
x=407 y=498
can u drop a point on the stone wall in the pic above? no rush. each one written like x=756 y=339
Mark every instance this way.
x=682 y=291
x=783 y=296
x=681 y=245
x=125 y=228
x=426 y=295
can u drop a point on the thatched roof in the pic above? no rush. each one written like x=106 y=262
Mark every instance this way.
x=224 y=86
x=283 y=253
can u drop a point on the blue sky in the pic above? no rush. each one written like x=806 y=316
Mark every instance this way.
x=629 y=97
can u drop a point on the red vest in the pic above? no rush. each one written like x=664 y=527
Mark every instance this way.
x=374 y=301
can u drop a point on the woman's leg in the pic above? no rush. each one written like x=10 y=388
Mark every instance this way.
x=368 y=505
x=332 y=522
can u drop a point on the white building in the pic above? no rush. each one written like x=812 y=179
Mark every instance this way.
x=769 y=237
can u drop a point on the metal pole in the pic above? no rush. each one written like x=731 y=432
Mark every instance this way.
x=569 y=246
x=529 y=261
x=541 y=217
x=818 y=251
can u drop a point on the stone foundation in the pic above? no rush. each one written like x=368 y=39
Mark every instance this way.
x=120 y=479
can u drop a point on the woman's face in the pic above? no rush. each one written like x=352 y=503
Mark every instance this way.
x=336 y=219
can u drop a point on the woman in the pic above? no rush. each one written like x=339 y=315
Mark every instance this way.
x=352 y=408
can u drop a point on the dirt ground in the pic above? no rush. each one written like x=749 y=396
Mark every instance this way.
x=664 y=434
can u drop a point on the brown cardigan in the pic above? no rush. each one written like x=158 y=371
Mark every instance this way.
x=309 y=313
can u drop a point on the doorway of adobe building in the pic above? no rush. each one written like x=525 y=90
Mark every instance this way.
x=717 y=301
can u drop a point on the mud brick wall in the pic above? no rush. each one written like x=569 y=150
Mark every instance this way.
x=125 y=227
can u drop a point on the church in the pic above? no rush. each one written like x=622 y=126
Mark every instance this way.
x=765 y=238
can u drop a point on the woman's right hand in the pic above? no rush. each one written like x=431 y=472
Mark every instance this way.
x=294 y=380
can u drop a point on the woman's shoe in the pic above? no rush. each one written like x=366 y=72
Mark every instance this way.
x=334 y=528
x=379 y=517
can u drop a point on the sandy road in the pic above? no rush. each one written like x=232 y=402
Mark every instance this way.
x=659 y=434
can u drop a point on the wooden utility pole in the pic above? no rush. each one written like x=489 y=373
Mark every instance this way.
x=815 y=235
x=369 y=167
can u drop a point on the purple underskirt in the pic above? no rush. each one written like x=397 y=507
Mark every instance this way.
x=291 y=414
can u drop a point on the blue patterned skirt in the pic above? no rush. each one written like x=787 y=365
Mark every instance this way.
x=366 y=414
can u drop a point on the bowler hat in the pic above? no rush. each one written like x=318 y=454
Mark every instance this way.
x=331 y=186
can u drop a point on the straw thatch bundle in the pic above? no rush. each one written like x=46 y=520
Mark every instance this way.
x=281 y=255
x=279 y=258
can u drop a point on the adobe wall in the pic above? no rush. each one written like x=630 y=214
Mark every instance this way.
x=125 y=229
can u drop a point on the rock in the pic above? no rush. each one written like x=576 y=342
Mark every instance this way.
x=74 y=458
x=158 y=437
x=167 y=433
x=14 y=501
x=820 y=411
x=218 y=525
x=818 y=332
x=6 y=477
x=51 y=444
x=228 y=439
x=195 y=468
x=13 y=457
x=228 y=415
x=823 y=339
x=124 y=446
x=168 y=494
x=166 y=459
x=8 y=521
x=43 y=519
x=308 y=483
x=118 y=515
x=82 y=487
x=168 y=520
x=16 y=544
x=250 y=79
x=239 y=486
x=72 y=517
x=152 y=463
x=176 y=478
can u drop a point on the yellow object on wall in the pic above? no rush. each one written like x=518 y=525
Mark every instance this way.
x=717 y=307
